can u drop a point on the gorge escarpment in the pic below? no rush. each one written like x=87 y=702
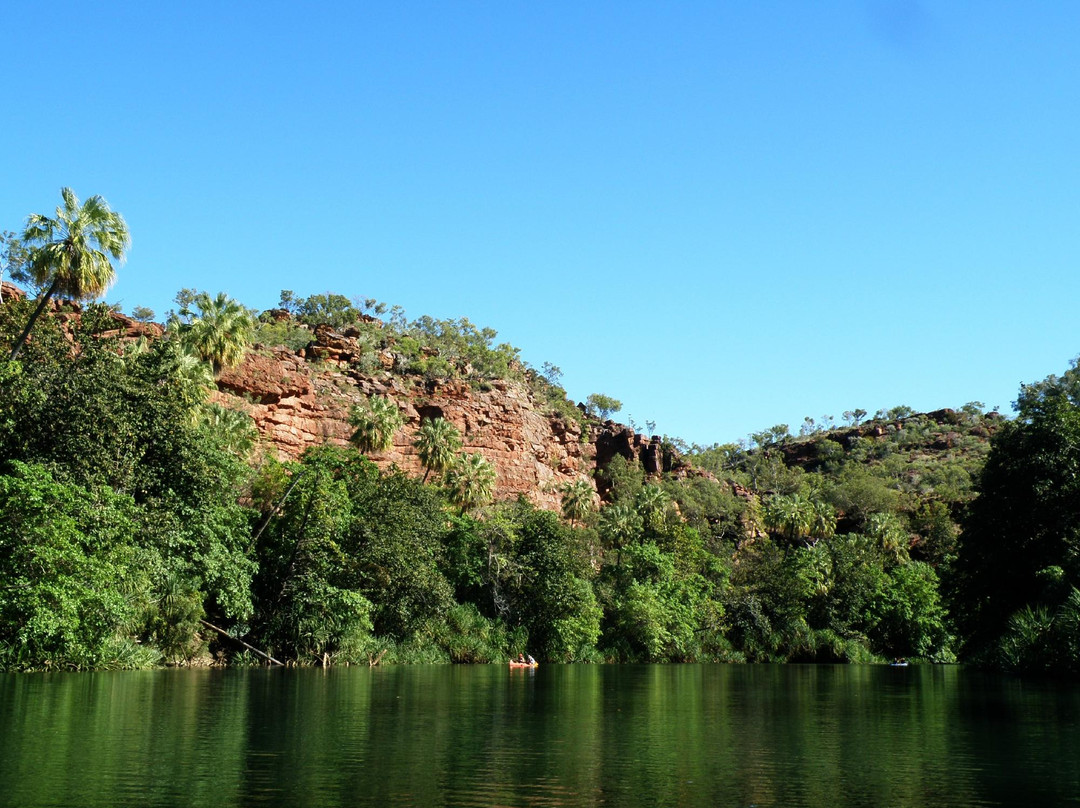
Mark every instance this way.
x=302 y=398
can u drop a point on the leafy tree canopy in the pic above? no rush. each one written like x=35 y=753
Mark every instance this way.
x=602 y=406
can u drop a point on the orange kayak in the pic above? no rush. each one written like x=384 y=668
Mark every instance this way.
x=524 y=664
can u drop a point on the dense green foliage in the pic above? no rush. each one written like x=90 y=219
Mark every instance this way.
x=1019 y=568
x=861 y=523
x=135 y=515
x=95 y=426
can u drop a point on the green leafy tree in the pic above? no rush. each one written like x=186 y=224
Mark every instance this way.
x=67 y=562
x=909 y=618
x=859 y=493
x=766 y=439
x=621 y=480
x=307 y=602
x=396 y=544
x=602 y=406
x=710 y=507
x=96 y=417
x=553 y=599
x=470 y=481
x=375 y=423
x=897 y=413
x=1025 y=519
x=351 y=553
x=461 y=347
x=854 y=417
x=766 y=605
x=334 y=310
x=552 y=374
x=72 y=254
x=437 y=443
x=654 y=609
x=14 y=261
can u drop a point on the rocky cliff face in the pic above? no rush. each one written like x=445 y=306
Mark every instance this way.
x=301 y=399
x=9 y=291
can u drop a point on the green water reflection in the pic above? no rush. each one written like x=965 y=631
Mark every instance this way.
x=561 y=735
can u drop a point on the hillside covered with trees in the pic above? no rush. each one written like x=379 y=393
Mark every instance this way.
x=145 y=520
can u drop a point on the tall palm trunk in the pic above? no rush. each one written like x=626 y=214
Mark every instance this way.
x=33 y=319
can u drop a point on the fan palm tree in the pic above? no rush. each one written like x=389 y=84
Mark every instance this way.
x=470 y=481
x=376 y=424
x=577 y=499
x=890 y=532
x=436 y=443
x=620 y=524
x=788 y=515
x=651 y=504
x=234 y=430
x=193 y=379
x=219 y=333
x=72 y=254
x=822 y=520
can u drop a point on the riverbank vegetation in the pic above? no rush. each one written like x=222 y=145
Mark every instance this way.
x=142 y=524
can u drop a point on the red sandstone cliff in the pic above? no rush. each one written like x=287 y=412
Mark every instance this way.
x=296 y=405
x=302 y=398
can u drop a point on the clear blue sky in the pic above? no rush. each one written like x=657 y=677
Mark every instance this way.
x=727 y=215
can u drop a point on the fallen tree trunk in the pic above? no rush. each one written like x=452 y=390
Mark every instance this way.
x=252 y=648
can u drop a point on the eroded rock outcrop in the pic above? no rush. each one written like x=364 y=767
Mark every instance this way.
x=9 y=291
x=297 y=404
x=806 y=452
x=71 y=312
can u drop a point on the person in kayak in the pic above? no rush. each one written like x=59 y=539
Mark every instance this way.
x=529 y=659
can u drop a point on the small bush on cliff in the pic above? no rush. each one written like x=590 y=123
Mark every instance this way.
x=328 y=308
x=287 y=333
x=602 y=406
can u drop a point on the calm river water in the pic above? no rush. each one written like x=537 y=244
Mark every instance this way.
x=620 y=735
